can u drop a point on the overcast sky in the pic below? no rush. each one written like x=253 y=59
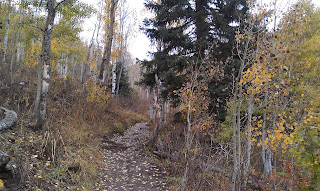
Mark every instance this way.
x=140 y=45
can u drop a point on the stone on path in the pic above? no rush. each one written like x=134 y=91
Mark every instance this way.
x=126 y=167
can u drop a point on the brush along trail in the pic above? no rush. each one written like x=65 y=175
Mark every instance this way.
x=126 y=167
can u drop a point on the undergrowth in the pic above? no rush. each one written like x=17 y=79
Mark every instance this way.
x=64 y=154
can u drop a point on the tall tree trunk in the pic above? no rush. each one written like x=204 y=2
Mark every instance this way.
x=84 y=67
x=6 y=34
x=15 y=53
x=45 y=58
x=188 y=138
x=249 y=137
x=164 y=111
x=114 y=79
x=0 y=20
x=18 y=51
x=188 y=147
x=236 y=129
x=157 y=109
x=38 y=95
x=105 y=65
x=147 y=92
x=95 y=69
x=119 y=78
x=266 y=151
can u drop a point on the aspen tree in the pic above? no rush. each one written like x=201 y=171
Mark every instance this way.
x=6 y=33
x=111 y=6
x=45 y=60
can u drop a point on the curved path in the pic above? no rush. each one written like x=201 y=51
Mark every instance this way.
x=126 y=167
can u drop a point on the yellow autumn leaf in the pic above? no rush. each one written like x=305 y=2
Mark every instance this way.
x=1 y=184
x=278 y=136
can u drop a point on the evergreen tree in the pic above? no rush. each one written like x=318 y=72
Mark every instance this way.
x=225 y=15
x=191 y=31
x=167 y=30
x=124 y=85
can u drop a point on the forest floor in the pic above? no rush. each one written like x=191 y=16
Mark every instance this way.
x=126 y=166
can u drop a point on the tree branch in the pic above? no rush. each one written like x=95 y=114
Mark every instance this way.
x=32 y=26
x=59 y=4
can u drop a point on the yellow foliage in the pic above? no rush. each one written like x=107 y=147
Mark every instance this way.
x=32 y=54
x=96 y=94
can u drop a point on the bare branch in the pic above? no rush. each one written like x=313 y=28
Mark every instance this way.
x=59 y=4
x=32 y=26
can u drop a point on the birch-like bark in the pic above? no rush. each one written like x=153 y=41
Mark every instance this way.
x=114 y=79
x=39 y=87
x=105 y=65
x=0 y=18
x=236 y=136
x=95 y=69
x=188 y=147
x=249 y=145
x=6 y=34
x=45 y=58
x=147 y=92
x=236 y=123
x=119 y=78
x=265 y=152
x=188 y=134
x=16 y=49
x=164 y=111
x=84 y=67
x=157 y=109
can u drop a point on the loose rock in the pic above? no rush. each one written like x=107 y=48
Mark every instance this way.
x=126 y=167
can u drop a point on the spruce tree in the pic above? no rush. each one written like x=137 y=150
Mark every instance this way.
x=224 y=19
x=192 y=31
x=167 y=31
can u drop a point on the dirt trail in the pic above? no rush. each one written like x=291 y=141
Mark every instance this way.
x=126 y=167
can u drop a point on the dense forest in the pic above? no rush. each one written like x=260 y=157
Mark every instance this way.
x=228 y=98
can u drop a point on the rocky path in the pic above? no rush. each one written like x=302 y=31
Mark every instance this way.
x=126 y=167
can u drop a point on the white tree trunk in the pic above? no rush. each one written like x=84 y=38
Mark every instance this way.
x=266 y=151
x=84 y=66
x=164 y=111
x=38 y=95
x=16 y=49
x=157 y=109
x=236 y=124
x=114 y=79
x=46 y=59
x=147 y=92
x=249 y=137
x=6 y=34
x=104 y=68
x=119 y=78
x=188 y=147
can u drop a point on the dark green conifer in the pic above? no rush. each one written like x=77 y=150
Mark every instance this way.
x=191 y=32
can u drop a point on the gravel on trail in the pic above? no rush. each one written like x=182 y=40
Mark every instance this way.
x=126 y=167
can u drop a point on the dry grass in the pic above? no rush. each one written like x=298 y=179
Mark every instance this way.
x=65 y=153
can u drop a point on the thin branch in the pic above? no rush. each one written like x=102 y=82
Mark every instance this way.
x=32 y=26
x=59 y=4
